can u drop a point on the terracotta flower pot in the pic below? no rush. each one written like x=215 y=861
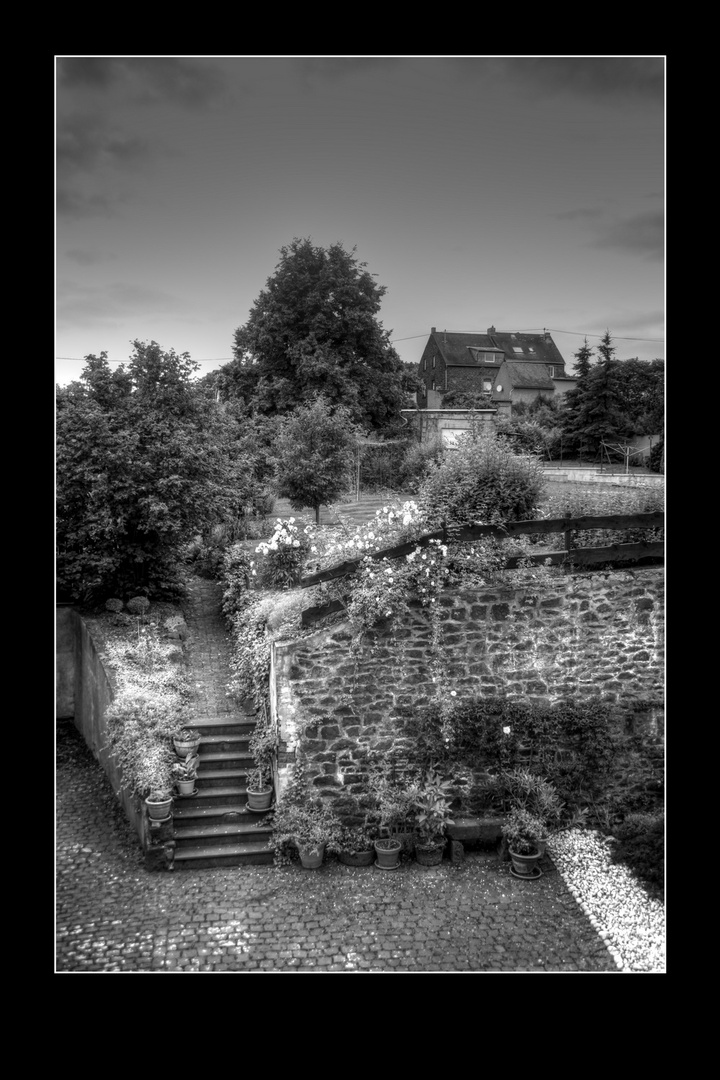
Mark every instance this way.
x=388 y=854
x=260 y=799
x=525 y=865
x=311 y=858
x=159 y=809
x=357 y=858
x=186 y=787
x=429 y=854
x=183 y=748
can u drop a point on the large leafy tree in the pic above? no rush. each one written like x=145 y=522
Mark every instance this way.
x=314 y=329
x=144 y=460
x=315 y=453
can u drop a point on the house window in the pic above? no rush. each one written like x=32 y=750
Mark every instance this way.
x=425 y=364
x=551 y=369
x=433 y=384
x=517 y=348
x=487 y=385
x=433 y=361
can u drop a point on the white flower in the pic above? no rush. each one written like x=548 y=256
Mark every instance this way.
x=453 y=693
x=313 y=550
x=506 y=730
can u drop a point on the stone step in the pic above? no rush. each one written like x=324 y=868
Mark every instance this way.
x=230 y=742
x=193 y=810
x=207 y=857
x=224 y=832
x=232 y=794
x=224 y=759
x=233 y=776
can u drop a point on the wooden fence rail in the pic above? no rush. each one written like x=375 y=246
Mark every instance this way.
x=468 y=533
x=570 y=557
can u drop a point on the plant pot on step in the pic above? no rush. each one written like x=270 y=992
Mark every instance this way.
x=159 y=809
x=388 y=853
x=186 y=787
x=186 y=742
x=259 y=798
x=312 y=857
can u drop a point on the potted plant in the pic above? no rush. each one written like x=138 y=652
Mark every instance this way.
x=186 y=741
x=149 y=773
x=310 y=825
x=522 y=832
x=525 y=790
x=355 y=844
x=431 y=798
x=185 y=774
x=263 y=745
x=394 y=805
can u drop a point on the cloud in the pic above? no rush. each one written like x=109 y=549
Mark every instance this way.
x=585 y=213
x=84 y=143
x=88 y=258
x=643 y=234
x=602 y=77
x=81 y=306
x=165 y=79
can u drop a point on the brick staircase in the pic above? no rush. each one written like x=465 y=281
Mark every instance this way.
x=214 y=827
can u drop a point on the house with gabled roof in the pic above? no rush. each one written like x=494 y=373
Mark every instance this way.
x=503 y=366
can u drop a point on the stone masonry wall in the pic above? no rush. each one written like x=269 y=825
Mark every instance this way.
x=597 y=635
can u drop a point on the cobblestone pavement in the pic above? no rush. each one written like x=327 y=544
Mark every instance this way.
x=113 y=915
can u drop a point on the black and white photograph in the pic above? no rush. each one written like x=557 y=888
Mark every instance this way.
x=359 y=514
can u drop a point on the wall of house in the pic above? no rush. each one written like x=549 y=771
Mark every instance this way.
x=597 y=636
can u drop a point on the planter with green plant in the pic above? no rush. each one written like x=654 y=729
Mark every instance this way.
x=263 y=746
x=185 y=774
x=310 y=826
x=522 y=832
x=525 y=790
x=356 y=843
x=186 y=741
x=431 y=799
x=391 y=792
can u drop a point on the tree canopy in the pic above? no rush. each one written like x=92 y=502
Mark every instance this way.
x=144 y=460
x=613 y=399
x=314 y=329
x=315 y=454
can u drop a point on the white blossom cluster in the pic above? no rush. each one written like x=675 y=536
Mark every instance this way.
x=630 y=922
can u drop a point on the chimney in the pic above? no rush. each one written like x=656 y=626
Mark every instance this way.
x=491 y=329
x=433 y=330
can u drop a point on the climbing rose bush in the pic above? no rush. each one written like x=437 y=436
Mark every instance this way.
x=282 y=556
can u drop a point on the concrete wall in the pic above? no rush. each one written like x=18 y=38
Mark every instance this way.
x=80 y=667
x=598 y=636
x=65 y=662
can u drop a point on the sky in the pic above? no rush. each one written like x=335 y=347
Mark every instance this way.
x=519 y=192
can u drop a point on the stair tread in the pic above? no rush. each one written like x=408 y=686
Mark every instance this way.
x=219 y=850
x=252 y=830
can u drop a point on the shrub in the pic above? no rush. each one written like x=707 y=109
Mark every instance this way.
x=282 y=556
x=148 y=709
x=483 y=481
x=138 y=605
x=114 y=604
x=656 y=461
x=641 y=847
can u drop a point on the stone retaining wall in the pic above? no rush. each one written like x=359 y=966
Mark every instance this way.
x=598 y=636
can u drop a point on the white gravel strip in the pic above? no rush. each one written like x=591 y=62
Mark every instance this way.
x=631 y=923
